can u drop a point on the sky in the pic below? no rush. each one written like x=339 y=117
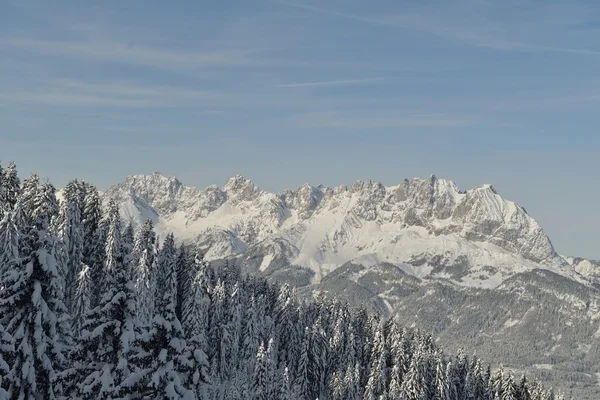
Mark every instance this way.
x=288 y=92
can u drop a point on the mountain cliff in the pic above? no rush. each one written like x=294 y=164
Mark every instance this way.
x=427 y=226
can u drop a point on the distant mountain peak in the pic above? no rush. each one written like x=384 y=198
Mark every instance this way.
x=397 y=224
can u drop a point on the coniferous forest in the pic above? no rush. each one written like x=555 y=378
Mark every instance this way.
x=92 y=309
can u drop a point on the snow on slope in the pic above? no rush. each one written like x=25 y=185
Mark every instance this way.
x=428 y=227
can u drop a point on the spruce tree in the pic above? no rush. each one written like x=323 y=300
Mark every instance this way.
x=260 y=379
x=7 y=352
x=11 y=187
x=71 y=235
x=9 y=241
x=195 y=316
x=102 y=356
x=31 y=309
x=145 y=271
x=164 y=362
x=82 y=299
x=93 y=238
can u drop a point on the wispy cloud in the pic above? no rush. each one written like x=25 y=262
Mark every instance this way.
x=340 y=82
x=120 y=94
x=468 y=32
x=380 y=120
x=156 y=57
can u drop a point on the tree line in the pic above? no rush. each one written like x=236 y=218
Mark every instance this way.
x=91 y=308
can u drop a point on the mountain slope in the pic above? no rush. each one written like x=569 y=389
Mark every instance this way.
x=475 y=238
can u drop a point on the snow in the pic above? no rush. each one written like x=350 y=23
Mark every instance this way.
x=364 y=223
x=266 y=262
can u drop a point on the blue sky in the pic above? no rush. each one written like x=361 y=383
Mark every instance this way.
x=287 y=92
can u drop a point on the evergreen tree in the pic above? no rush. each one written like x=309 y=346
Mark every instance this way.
x=31 y=309
x=93 y=239
x=195 y=317
x=285 y=387
x=338 y=391
x=9 y=241
x=165 y=365
x=523 y=389
x=11 y=187
x=102 y=356
x=71 y=235
x=260 y=378
x=7 y=352
x=183 y=279
x=302 y=378
x=145 y=271
x=509 y=388
x=128 y=239
x=82 y=301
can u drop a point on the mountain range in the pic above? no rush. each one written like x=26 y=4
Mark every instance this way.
x=474 y=268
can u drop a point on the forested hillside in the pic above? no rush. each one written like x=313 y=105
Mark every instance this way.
x=92 y=309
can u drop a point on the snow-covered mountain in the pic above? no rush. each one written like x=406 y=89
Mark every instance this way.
x=427 y=227
x=470 y=266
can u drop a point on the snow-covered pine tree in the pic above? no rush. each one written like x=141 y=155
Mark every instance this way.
x=7 y=352
x=11 y=187
x=414 y=384
x=377 y=381
x=183 y=278
x=523 y=389
x=71 y=236
x=440 y=385
x=128 y=239
x=286 y=310
x=337 y=387
x=509 y=387
x=9 y=240
x=93 y=238
x=145 y=271
x=285 y=386
x=498 y=383
x=82 y=299
x=164 y=363
x=260 y=383
x=195 y=317
x=302 y=373
x=31 y=309
x=103 y=352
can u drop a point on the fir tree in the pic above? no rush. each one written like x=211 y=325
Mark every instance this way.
x=31 y=308
x=104 y=350
x=165 y=365
x=11 y=188
x=7 y=352
x=82 y=301
x=195 y=318
x=260 y=378
x=93 y=238
x=145 y=271
x=9 y=241
x=71 y=235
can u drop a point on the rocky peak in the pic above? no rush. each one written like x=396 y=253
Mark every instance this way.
x=304 y=200
x=241 y=189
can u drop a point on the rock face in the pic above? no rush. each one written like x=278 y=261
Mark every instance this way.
x=472 y=267
x=408 y=223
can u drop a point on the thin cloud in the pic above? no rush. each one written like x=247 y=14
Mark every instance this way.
x=438 y=28
x=331 y=83
x=137 y=55
x=379 y=120
x=67 y=92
